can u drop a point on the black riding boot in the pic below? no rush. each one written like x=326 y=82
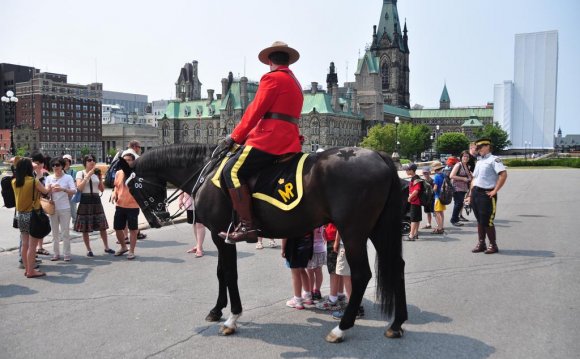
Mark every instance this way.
x=480 y=247
x=242 y=202
x=492 y=248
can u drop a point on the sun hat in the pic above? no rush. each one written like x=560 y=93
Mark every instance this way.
x=278 y=46
x=437 y=166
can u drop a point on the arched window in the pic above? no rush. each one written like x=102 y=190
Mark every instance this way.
x=198 y=132
x=185 y=131
x=315 y=127
x=230 y=126
x=385 y=75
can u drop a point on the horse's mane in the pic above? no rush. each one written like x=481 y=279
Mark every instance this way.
x=185 y=155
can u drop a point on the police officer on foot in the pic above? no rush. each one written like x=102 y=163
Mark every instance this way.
x=488 y=178
x=268 y=129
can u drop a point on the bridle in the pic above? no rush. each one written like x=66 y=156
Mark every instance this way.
x=160 y=209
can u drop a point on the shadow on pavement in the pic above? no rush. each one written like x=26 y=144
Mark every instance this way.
x=417 y=316
x=13 y=290
x=526 y=253
x=307 y=341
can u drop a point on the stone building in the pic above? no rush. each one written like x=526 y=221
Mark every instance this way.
x=188 y=86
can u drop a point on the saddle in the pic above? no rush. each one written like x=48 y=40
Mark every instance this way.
x=279 y=185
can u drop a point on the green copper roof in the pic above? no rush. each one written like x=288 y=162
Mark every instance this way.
x=389 y=18
x=235 y=95
x=472 y=122
x=453 y=112
x=396 y=111
x=322 y=102
x=371 y=61
x=445 y=95
x=193 y=109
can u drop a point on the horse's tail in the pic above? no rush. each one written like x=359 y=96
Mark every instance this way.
x=386 y=236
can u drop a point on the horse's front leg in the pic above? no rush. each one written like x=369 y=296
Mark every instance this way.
x=215 y=314
x=228 y=267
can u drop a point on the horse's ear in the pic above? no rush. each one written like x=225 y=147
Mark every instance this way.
x=123 y=165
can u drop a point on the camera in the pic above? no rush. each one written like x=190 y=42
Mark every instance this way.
x=98 y=171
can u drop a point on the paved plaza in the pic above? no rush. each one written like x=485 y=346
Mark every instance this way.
x=520 y=303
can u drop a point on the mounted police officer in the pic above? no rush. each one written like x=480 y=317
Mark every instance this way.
x=268 y=129
x=489 y=177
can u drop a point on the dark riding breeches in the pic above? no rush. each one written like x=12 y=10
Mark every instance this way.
x=245 y=163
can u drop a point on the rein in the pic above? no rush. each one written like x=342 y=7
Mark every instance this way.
x=215 y=158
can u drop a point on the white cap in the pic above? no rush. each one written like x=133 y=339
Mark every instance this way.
x=130 y=151
x=68 y=157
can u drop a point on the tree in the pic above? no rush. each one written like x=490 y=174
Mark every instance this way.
x=112 y=152
x=452 y=142
x=21 y=151
x=380 y=138
x=414 y=139
x=85 y=151
x=498 y=137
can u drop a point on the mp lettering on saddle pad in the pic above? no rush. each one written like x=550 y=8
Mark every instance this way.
x=279 y=185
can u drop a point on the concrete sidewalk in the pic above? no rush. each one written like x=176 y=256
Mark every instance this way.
x=9 y=240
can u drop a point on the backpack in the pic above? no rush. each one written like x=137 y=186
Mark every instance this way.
x=426 y=195
x=446 y=194
x=330 y=232
x=8 y=192
x=110 y=175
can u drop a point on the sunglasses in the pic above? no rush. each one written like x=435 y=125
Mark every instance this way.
x=90 y=160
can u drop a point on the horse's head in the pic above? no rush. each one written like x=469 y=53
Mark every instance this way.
x=150 y=192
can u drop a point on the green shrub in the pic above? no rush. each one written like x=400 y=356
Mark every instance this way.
x=560 y=162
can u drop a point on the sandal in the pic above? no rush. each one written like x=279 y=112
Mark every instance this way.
x=42 y=251
x=141 y=235
x=126 y=241
x=131 y=256
x=192 y=250
x=427 y=226
x=438 y=231
x=37 y=275
x=120 y=252
x=198 y=254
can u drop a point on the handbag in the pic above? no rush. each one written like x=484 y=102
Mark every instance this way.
x=76 y=198
x=39 y=222
x=47 y=205
x=15 y=219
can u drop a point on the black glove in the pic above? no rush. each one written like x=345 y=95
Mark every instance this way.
x=226 y=144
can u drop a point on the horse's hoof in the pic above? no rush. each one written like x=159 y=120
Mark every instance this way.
x=225 y=331
x=394 y=334
x=333 y=338
x=213 y=316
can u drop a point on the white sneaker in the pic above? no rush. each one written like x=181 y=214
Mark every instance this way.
x=272 y=244
x=295 y=303
x=307 y=299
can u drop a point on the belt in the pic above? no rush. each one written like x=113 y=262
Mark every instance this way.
x=479 y=189
x=280 y=116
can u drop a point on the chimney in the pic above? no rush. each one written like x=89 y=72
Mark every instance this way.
x=335 y=105
x=244 y=92
x=210 y=95
x=224 y=87
x=314 y=88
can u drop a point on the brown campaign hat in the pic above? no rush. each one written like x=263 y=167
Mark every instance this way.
x=483 y=142
x=278 y=46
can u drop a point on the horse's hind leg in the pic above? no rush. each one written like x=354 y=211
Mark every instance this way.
x=356 y=253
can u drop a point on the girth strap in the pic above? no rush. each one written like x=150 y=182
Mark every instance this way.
x=280 y=116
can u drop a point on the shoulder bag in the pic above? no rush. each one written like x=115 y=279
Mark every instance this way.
x=39 y=222
x=76 y=198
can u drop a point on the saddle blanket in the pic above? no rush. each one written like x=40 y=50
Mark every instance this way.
x=279 y=185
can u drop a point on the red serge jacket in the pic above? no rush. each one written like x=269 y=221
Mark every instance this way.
x=278 y=92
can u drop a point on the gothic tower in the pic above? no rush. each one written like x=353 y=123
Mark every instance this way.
x=188 y=86
x=444 y=101
x=390 y=46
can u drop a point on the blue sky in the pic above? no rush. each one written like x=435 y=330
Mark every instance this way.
x=139 y=46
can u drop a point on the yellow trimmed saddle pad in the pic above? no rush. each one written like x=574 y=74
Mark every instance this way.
x=279 y=185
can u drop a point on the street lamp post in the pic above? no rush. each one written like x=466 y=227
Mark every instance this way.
x=395 y=155
x=437 y=128
x=432 y=145
x=10 y=101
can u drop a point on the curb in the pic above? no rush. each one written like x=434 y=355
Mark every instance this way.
x=95 y=235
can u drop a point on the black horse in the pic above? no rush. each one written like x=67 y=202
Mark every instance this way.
x=355 y=188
